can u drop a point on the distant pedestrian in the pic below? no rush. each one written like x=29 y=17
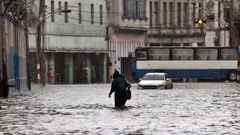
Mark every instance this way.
x=119 y=86
x=51 y=76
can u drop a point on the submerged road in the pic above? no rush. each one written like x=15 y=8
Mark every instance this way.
x=189 y=108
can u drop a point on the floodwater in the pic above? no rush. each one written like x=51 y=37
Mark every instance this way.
x=189 y=108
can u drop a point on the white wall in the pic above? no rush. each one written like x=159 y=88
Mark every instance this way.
x=69 y=42
x=73 y=35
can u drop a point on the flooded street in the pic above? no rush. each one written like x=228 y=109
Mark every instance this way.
x=189 y=108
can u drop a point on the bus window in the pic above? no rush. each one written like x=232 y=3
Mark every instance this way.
x=141 y=55
x=159 y=54
x=182 y=54
x=228 y=54
x=207 y=54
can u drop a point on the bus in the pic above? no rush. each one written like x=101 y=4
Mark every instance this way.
x=201 y=63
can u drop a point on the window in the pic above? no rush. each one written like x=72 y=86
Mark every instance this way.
x=228 y=54
x=135 y=8
x=182 y=54
x=66 y=14
x=226 y=14
x=179 y=13
x=194 y=13
x=150 y=13
x=59 y=8
x=200 y=10
x=136 y=13
x=52 y=11
x=159 y=54
x=206 y=54
x=101 y=14
x=185 y=14
x=92 y=14
x=156 y=12
x=141 y=55
x=79 y=13
x=171 y=17
x=165 y=14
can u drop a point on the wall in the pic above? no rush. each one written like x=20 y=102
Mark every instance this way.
x=119 y=20
x=164 y=31
x=217 y=32
x=73 y=34
x=16 y=55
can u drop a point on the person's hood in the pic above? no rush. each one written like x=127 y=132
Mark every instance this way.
x=116 y=74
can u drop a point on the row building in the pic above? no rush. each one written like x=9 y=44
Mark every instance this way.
x=73 y=43
x=98 y=36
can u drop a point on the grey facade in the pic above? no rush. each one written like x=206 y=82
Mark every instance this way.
x=172 y=22
x=127 y=30
x=74 y=44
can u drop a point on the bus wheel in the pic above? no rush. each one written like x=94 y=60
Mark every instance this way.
x=232 y=76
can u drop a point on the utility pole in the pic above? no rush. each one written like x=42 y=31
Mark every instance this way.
x=43 y=43
x=27 y=50
x=4 y=82
x=40 y=44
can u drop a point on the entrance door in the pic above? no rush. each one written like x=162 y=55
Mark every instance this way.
x=126 y=68
x=59 y=68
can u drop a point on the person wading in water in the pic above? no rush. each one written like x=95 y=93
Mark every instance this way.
x=119 y=86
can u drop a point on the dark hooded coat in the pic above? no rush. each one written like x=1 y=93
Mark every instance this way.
x=119 y=86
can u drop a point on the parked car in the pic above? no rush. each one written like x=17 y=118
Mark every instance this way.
x=155 y=81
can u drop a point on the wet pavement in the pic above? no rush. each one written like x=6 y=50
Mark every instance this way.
x=189 y=108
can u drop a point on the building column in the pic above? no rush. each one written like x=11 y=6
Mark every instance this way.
x=68 y=69
x=111 y=68
x=51 y=63
x=175 y=11
x=118 y=58
x=168 y=15
x=71 y=68
x=88 y=64
x=46 y=63
x=105 y=68
x=190 y=20
x=160 y=13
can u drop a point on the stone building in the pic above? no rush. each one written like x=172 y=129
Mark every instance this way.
x=172 y=23
x=74 y=43
x=127 y=29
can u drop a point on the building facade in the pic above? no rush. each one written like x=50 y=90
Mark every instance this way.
x=218 y=29
x=127 y=29
x=74 y=43
x=13 y=69
x=235 y=35
x=98 y=36
x=172 y=23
